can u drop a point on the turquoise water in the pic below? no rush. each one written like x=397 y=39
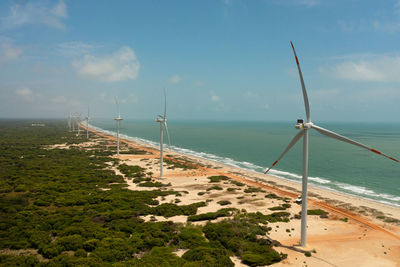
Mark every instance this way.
x=256 y=145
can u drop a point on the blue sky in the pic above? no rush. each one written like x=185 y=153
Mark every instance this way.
x=219 y=59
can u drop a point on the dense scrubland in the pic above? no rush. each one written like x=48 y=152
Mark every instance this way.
x=66 y=207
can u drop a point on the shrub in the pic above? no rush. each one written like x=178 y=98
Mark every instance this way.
x=217 y=179
x=253 y=190
x=224 y=202
x=214 y=187
x=207 y=256
x=151 y=184
x=80 y=253
x=211 y=215
x=237 y=183
x=71 y=242
x=316 y=212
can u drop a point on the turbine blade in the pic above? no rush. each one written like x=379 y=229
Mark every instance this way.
x=166 y=130
x=348 y=140
x=303 y=87
x=292 y=143
x=116 y=102
x=165 y=104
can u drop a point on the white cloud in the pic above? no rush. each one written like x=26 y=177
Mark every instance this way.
x=75 y=49
x=25 y=93
x=119 y=66
x=36 y=12
x=8 y=52
x=174 y=79
x=379 y=69
x=214 y=97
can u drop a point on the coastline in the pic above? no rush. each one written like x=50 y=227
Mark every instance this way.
x=355 y=228
x=333 y=197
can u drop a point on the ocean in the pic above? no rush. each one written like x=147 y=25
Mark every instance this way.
x=256 y=145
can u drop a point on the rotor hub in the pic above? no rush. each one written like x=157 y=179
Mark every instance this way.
x=300 y=124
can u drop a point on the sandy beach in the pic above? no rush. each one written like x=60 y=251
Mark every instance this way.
x=355 y=232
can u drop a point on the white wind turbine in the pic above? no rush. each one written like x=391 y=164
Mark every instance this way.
x=118 y=121
x=163 y=123
x=87 y=122
x=73 y=119
x=304 y=127
x=79 y=123
x=69 y=121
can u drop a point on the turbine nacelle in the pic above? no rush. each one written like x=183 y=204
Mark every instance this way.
x=303 y=125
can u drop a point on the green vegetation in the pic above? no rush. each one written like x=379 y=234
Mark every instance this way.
x=344 y=219
x=182 y=164
x=211 y=215
x=132 y=171
x=53 y=203
x=253 y=190
x=134 y=151
x=237 y=183
x=217 y=179
x=282 y=207
x=239 y=236
x=224 y=202
x=316 y=212
x=214 y=187
x=152 y=184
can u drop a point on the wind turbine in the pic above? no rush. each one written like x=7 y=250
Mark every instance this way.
x=87 y=123
x=79 y=123
x=69 y=121
x=163 y=123
x=73 y=119
x=118 y=121
x=304 y=127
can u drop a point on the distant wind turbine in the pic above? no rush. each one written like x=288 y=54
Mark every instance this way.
x=163 y=124
x=69 y=121
x=118 y=121
x=87 y=123
x=79 y=123
x=73 y=120
x=304 y=127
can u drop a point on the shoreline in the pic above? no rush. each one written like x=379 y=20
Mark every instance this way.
x=291 y=185
x=350 y=227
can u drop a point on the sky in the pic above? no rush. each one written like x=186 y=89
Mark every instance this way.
x=217 y=59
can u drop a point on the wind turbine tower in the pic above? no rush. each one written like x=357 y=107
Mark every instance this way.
x=118 y=121
x=73 y=119
x=69 y=122
x=304 y=127
x=78 y=121
x=87 y=123
x=163 y=124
